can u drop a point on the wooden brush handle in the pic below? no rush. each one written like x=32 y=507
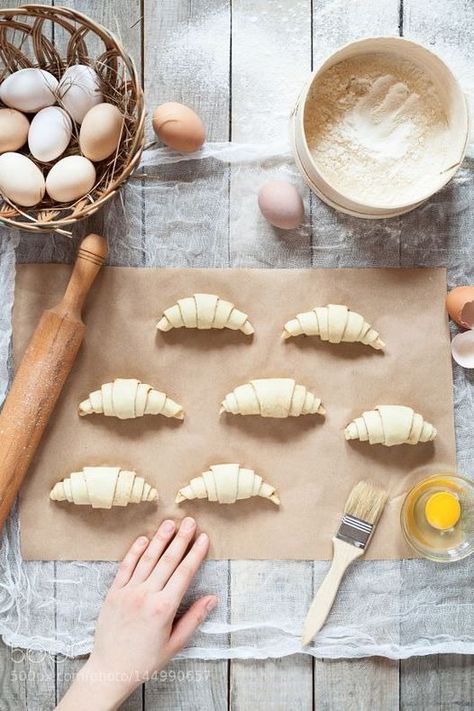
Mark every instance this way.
x=344 y=555
x=42 y=373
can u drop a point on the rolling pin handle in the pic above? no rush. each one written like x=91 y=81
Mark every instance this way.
x=90 y=258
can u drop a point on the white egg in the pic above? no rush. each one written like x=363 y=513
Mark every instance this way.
x=79 y=90
x=49 y=134
x=21 y=181
x=281 y=204
x=29 y=90
x=70 y=178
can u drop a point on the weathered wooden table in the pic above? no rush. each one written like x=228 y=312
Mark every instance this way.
x=298 y=682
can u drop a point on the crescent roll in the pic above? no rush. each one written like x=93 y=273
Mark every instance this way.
x=227 y=483
x=127 y=398
x=390 y=425
x=103 y=487
x=204 y=311
x=336 y=324
x=272 y=397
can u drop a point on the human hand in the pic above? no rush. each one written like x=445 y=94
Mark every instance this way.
x=136 y=633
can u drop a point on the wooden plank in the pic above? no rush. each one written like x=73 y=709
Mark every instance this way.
x=175 y=57
x=26 y=680
x=441 y=682
x=451 y=35
x=185 y=43
x=66 y=671
x=124 y=20
x=356 y=684
x=127 y=26
x=274 y=684
x=181 y=48
x=337 y=23
x=194 y=685
x=429 y=22
x=271 y=57
x=275 y=680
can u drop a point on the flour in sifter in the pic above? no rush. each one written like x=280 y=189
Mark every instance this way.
x=377 y=129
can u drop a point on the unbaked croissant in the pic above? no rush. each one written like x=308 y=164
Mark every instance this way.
x=226 y=483
x=127 y=398
x=389 y=425
x=336 y=324
x=103 y=487
x=272 y=397
x=204 y=311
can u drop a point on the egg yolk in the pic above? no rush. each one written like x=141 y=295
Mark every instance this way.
x=442 y=510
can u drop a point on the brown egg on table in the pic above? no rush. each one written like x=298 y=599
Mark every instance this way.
x=14 y=127
x=179 y=127
x=101 y=131
x=460 y=305
x=70 y=178
x=281 y=204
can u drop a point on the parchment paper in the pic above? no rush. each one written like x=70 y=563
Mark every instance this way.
x=306 y=458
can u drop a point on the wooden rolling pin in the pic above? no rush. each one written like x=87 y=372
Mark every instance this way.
x=42 y=373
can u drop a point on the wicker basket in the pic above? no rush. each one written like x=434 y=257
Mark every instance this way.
x=53 y=38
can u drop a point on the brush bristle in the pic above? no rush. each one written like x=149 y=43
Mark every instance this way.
x=366 y=502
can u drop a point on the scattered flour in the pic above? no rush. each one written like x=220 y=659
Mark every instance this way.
x=377 y=129
x=197 y=54
x=266 y=78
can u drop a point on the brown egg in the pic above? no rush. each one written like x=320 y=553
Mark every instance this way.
x=14 y=127
x=460 y=305
x=101 y=131
x=179 y=127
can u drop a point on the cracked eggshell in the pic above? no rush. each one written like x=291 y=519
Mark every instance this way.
x=50 y=133
x=79 y=90
x=460 y=305
x=21 y=181
x=70 y=178
x=29 y=90
x=462 y=349
x=281 y=204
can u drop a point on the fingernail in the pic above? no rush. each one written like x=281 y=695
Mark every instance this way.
x=142 y=541
x=188 y=524
x=168 y=526
x=210 y=604
x=202 y=539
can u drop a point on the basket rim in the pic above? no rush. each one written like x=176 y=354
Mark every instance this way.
x=50 y=12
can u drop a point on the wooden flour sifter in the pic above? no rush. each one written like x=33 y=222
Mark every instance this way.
x=42 y=373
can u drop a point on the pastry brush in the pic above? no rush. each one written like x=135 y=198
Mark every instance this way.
x=361 y=513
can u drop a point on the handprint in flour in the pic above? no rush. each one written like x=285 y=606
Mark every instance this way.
x=382 y=119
